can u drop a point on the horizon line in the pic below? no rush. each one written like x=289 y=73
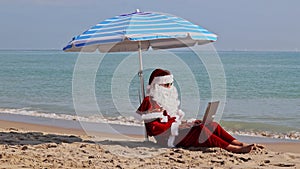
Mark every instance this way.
x=221 y=50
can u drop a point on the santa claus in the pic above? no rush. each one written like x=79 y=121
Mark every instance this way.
x=163 y=119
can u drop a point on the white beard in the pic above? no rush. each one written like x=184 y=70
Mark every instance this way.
x=167 y=98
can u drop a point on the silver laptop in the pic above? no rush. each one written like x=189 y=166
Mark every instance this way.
x=210 y=111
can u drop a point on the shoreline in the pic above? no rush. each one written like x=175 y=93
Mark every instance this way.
x=120 y=125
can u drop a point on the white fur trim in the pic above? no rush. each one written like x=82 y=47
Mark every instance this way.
x=164 y=119
x=163 y=79
x=174 y=132
x=171 y=141
x=174 y=128
x=180 y=114
x=153 y=116
x=177 y=119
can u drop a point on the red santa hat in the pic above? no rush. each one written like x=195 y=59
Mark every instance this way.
x=160 y=76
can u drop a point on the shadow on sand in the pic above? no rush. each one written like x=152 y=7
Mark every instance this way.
x=35 y=138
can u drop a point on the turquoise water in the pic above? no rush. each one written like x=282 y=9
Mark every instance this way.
x=263 y=88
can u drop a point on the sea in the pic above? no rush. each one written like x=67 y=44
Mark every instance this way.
x=260 y=89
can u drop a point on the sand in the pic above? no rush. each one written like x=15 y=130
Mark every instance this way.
x=24 y=145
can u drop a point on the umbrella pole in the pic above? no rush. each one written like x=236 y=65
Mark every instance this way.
x=142 y=81
x=141 y=71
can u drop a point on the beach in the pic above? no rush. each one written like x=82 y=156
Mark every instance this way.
x=39 y=127
x=76 y=85
x=25 y=145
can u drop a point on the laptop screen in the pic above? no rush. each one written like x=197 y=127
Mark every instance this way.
x=211 y=110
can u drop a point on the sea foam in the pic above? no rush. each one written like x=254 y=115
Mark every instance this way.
x=291 y=135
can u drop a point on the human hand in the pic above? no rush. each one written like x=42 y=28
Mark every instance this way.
x=197 y=122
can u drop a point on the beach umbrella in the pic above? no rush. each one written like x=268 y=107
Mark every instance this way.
x=140 y=31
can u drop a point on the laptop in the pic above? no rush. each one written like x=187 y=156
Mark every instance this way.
x=210 y=112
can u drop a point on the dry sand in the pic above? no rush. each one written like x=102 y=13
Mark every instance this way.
x=25 y=145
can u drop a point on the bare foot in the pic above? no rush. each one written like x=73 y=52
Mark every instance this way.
x=238 y=143
x=240 y=149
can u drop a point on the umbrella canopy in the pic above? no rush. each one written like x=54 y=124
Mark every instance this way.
x=139 y=31
x=124 y=32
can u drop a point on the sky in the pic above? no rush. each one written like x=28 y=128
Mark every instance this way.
x=261 y=25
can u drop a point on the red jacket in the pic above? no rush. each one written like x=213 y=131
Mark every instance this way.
x=155 y=126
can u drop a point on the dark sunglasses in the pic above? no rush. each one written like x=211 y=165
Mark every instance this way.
x=167 y=85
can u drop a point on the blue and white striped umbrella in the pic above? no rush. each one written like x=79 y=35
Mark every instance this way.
x=139 y=31
x=125 y=33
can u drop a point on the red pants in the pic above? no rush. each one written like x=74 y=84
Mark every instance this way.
x=210 y=135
